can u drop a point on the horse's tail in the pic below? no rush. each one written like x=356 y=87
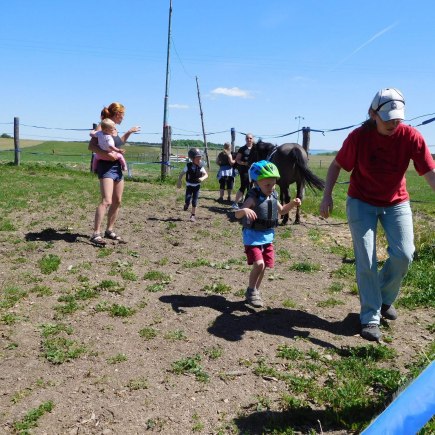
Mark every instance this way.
x=313 y=181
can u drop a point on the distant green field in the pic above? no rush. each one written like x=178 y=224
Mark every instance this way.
x=8 y=144
x=144 y=164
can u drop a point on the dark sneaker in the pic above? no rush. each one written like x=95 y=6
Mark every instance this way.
x=253 y=297
x=388 y=312
x=186 y=206
x=371 y=332
x=220 y=200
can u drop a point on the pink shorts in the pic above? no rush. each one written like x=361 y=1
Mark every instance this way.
x=261 y=252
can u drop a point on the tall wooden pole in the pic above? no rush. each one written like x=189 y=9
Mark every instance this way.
x=165 y=168
x=94 y=126
x=306 y=138
x=17 y=159
x=233 y=139
x=202 y=123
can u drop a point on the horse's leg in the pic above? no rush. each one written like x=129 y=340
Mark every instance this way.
x=285 y=199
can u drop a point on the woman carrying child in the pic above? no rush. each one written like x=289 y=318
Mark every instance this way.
x=109 y=173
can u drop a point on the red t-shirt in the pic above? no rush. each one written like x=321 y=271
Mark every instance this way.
x=378 y=163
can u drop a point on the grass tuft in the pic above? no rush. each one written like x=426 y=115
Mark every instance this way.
x=49 y=263
x=30 y=420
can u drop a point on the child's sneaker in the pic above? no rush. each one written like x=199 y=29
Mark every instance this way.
x=235 y=206
x=186 y=206
x=192 y=218
x=253 y=297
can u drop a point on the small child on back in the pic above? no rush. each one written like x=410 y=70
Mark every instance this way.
x=195 y=174
x=260 y=216
x=107 y=143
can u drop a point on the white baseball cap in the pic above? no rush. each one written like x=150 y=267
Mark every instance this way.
x=389 y=104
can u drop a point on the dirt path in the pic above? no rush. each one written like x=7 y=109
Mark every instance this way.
x=188 y=316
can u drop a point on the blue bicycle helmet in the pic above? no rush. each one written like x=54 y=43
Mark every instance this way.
x=263 y=169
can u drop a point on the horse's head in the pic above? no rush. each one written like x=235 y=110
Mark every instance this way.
x=260 y=151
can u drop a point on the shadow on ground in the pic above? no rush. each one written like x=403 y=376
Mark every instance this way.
x=302 y=418
x=236 y=319
x=52 y=235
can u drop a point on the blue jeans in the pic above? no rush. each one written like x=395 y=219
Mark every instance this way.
x=380 y=287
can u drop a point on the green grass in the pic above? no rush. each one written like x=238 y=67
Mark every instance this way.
x=41 y=290
x=59 y=350
x=288 y=352
x=219 y=288
x=148 y=333
x=155 y=287
x=305 y=266
x=419 y=283
x=6 y=225
x=9 y=318
x=190 y=365
x=198 y=426
x=50 y=329
x=30 y=420
x=156 y=275
x=214 y=352
x=117 y=310
x=10 y=296
x=137 y=384
x=178 y=334
x=355 y=385
x=330 y=302
x=110 y=286
x=49 y=263
x=118 y=358
x=289 y=303
x=336 y=287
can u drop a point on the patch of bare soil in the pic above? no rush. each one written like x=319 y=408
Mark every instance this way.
x=94 y=395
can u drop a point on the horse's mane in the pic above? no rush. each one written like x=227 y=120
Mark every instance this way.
x=263 y=148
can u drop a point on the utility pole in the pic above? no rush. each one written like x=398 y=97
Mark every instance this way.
x=299 y=124
x=165 y=140
x=202 y=123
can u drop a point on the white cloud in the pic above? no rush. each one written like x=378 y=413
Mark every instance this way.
x=179 y=106
x=232 y=92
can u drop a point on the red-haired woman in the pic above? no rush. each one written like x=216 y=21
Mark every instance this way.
x=111 y=178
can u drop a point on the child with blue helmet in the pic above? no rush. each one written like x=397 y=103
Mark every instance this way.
x=259 y=214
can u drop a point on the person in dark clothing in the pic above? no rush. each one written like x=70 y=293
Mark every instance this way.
x=195 y=174
x=242 y=158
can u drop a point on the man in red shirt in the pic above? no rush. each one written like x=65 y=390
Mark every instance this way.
x=378 y=154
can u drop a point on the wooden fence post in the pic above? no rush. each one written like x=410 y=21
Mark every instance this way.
x=166 y=152
x=306 y=139
x=233 y=139
x=94 y=126
x=17 y=141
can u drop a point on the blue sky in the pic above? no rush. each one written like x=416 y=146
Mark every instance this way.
x=266 y=67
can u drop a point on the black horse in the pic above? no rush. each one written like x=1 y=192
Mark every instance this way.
x=292 y=162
